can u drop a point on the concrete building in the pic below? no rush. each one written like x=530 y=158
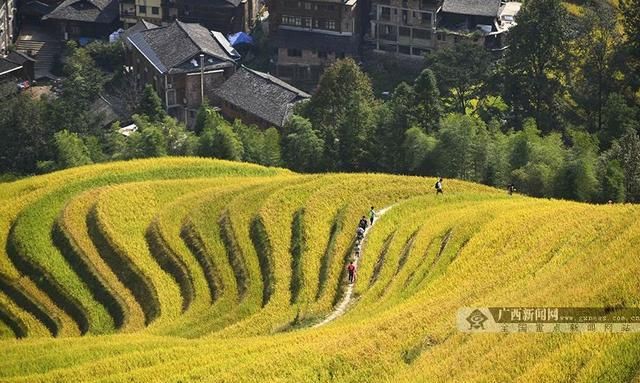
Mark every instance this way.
x=413 y=28
x=309 y=35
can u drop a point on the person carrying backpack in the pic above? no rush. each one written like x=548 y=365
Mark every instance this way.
x=511 y=188
x=363 y=223
x=351 y=269
x=372 y=215
x=359 y=233
x=439 y=187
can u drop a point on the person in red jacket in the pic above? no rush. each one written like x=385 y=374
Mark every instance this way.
x=352 y=272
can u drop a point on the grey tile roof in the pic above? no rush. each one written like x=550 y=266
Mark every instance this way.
x=309 y=40
x=8 y=66
x=261 y=94
x=93 y=11
x=172 y=49
x=141 y=25
x=472 y=7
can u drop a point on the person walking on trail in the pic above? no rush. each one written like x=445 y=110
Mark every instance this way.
x=357 y=248
x=352 y=272
x=372 y=215
x=363 y=222
x=439 y=187
x=359 y=234
x=511 y=188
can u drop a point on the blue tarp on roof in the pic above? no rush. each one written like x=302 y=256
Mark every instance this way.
x=240 y=38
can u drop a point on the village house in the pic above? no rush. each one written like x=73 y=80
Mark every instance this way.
x=257 y=98
x=84 y=19
x=184 y=63
x=225 y=16
x=413 y=28
x=310 y=35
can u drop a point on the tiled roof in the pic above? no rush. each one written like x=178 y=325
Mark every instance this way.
x=261 y=94
x=472 y=7
x=174 y=48
x=7 y=66
x=94 y=11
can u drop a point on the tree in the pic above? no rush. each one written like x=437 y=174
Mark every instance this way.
x=252 y=141
x=578 y=178
x=534 y=61
x=301 y=146
x=25 y=135
x=342 y=111
x=271 y=155
x=417 y=147
x=462 y=72
x=627 y=151
x=611 y=177
x=617 y=118
x=462 y=147
x=427 y=101
x=395 y=118
x=594 y=50
x=70 y=150
x=631 y=22
x=151 y=105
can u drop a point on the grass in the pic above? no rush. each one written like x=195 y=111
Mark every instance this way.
x=197 y=270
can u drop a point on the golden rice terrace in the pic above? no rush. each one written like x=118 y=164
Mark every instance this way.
x=179 y=270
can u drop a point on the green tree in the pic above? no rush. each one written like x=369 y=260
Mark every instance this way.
x=462 y=72
x=594 y=51
x=301 y=147
x=462 y=150
x=631 y=22
x=342 y=111
x=535 y=60
x=611 y=177
x=617 y=118
x=395 y=117
x=627 y=151
x=271 y=155
x=151 y=105
x=70 y=150
x=427 y=100
x=25 y=134
x=252 y=141
x=417 y=147
x=578 y=178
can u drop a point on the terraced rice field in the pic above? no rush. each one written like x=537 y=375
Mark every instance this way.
x=177 y=270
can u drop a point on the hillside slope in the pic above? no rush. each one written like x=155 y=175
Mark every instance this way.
x=205 y=270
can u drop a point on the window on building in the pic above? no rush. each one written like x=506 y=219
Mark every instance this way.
x=142 y=9
x=292 y=20
x=331 y=25
x=331 y=7
x=294 y=52
x=307 y=5
x=306 y=22
x=322 y=54
x=404 y=49
x=405 y=16
x=422 y=34
x=442 y=37
x=385 y=13
x=155 y=10
x=426 y=18
x=404 y=31
x=405 y=4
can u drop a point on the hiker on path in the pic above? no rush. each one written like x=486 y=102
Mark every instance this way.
x=363 y=222
x=358 y=247
x=511 y=189
x=439 y=187
x=352 y=272
x=359 y=234
x=372 y=215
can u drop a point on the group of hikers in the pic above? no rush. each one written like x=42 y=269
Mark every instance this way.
x=364 y=223
x=362 y=227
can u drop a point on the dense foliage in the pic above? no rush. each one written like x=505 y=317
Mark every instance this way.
x=556 y=114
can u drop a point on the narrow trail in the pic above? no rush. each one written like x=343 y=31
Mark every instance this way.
x=341 y=307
